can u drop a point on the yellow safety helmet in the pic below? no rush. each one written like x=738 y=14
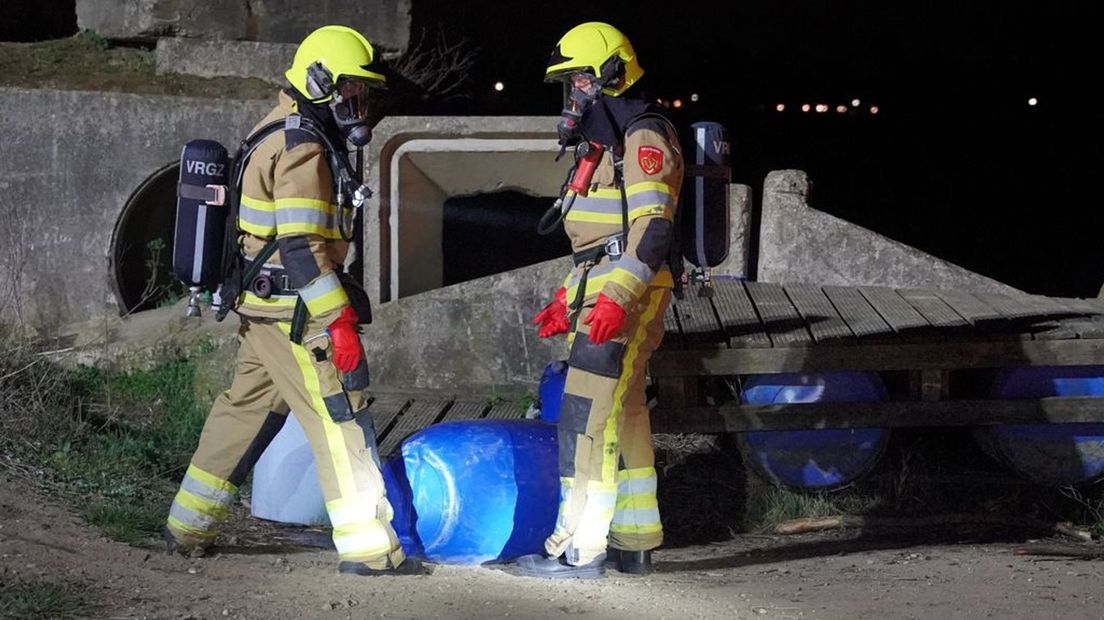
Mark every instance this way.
x=590 y=47
x=327 y=55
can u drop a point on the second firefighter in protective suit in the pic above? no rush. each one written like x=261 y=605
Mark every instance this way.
x=298 y=342
x=611 y=306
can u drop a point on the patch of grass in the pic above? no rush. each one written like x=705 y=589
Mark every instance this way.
x=126 y=522
x=116 y=450
x=45 y=600
x=776 y=505
x=87 y=61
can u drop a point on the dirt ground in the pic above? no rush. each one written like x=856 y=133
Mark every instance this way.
x=259 y=574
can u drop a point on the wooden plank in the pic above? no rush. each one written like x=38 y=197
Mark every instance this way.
x=1089 y=322
x=881 y=356
x=898 y=313
x=805 y=416
x=505 y=411
x=1047 y=325
x=698 y=321
x=1011 y=308
x=864 y=321
x=738 y=317
x=673 y=338
x=983 y=317
x=385 y=409
x=1085 y=307
x=822 y=318
x=461 y=410
x=782 y=321
x=420 y=414
x=935 y=310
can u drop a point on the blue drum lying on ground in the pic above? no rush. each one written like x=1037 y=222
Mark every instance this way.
x=820 y=459
x=1055 y=454
x=463 y=492
x=475 y=491
x=285 y=480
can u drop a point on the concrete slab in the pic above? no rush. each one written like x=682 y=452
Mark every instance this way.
x=385 y=22
x=798 y=243
x=208 y=58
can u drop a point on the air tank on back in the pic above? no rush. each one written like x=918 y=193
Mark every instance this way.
x=705 y=201
x=1053 y=454
x=818 y=459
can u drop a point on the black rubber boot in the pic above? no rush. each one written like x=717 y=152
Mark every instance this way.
x=613 y=558
x=410 y=566
x=538 y=565
x=636 y=562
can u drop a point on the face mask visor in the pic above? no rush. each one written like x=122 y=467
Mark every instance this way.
x=350 y=101
x=580 y=91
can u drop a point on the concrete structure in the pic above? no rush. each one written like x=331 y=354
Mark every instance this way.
x=797 y=243
x=740 y=232
x=416 y=163
x=385 y=22
x=207 y=58
x=474 y=337
x=81 y=157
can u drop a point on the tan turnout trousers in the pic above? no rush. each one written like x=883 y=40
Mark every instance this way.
x=272 y=371
x=607 y=465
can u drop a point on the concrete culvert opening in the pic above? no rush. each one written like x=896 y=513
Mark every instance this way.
x=142 y=244
x=485 y=234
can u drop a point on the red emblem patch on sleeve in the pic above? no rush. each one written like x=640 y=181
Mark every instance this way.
x=650 y=158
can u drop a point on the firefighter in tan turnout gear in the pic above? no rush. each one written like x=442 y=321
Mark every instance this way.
x=611 y=306
x=299 y=343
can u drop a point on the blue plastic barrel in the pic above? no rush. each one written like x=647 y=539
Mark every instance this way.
x=1055 y=454
x=285 y=480
x=815 y=458
x=475 y=491
x=551 y=390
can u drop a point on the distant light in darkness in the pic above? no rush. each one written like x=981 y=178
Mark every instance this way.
x=677 y=103
x=694 y=97
x=873 y=109
x=841 y=109
x=499 y=86
x=855 y=103
x=780 y=107
x=1033 y=102
x=822 y=107
x=805 y=107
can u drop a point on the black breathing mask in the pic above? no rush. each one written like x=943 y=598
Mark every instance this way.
x=350 y=111
x=576 y=103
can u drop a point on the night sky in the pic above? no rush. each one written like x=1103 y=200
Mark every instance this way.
x=956 y=161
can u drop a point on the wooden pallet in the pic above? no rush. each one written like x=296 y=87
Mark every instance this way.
x=764 y=328
x=398 y=415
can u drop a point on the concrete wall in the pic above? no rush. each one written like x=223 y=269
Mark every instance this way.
x=416 y=163
x=800 y=244
x=207 y=58
x=385 y=22
x=473 y=337
x=71 y=161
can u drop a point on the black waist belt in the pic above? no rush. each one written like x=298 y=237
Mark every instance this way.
x=593 y=254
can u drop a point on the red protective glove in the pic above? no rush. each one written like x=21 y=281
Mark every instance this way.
x=605 y=320
x=346 y=341
x=553 y=318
